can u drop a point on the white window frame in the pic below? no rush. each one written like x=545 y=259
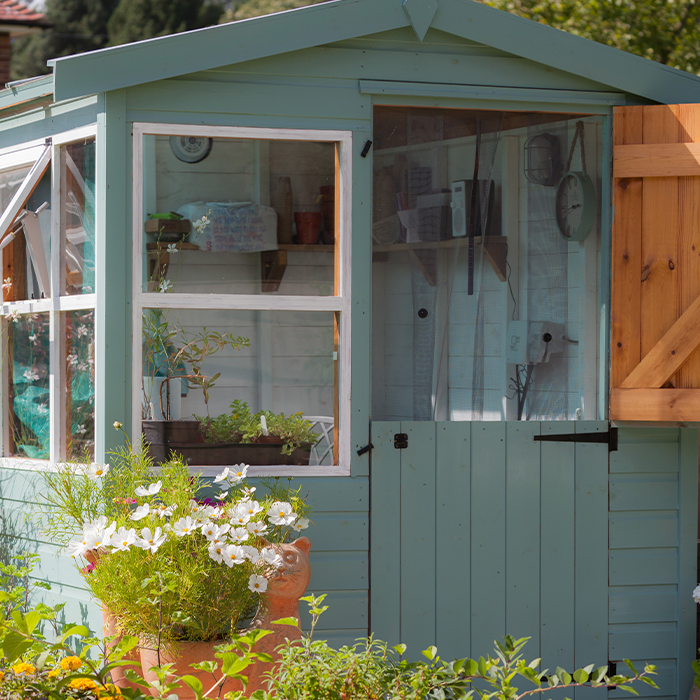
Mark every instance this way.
x=339 y=303
x=37 y=153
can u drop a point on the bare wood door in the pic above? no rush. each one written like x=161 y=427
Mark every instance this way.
x=655 y=304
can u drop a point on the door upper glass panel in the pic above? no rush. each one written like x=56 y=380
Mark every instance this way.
x=239 y=216
x=486 y=242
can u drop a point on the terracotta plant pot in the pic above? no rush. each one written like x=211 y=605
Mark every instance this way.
x=182 y=657
x=167 y=436
x=109 y=628
x=308 y=227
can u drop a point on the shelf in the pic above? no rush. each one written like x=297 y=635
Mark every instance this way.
x=495 y=249
x=301 y=248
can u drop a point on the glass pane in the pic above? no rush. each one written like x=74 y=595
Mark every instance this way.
x=79 y=398
x=28 y=395
x=225 y=367
x=78 y=217
x=26 y=259
x=504 y=327
x=243 y=216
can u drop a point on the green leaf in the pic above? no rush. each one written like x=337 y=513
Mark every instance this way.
x=628 y=663
x=291 y=621
x=195 y=684
x=79 y=630
x=628 y=688
x=648 y=681
x=14 y=645
x=430 y=653
x=470 y=667
x=400 y=649
x=580 y=675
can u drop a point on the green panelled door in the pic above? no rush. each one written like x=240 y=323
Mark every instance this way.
x=478 y=530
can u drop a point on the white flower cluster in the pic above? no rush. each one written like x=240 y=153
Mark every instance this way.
x=696 y=594
x=227 y=528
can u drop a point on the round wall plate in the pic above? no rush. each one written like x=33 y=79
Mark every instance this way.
x=191 y=149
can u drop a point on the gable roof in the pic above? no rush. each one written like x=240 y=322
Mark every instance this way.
x=226 y=44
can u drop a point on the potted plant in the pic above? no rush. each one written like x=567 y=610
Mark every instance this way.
x=174 y=567
x=173 y=355
x=259 y=438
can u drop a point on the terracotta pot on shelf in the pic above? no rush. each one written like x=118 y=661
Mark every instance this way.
x=308 y=227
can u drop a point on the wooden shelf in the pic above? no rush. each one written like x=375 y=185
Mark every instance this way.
x=495 y=249
x=300 y=248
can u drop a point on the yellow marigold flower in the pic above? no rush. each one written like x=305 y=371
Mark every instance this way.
x=2 y=676
x=23 y=668
x=83 y=684
x=71 y=663
x=53 y=673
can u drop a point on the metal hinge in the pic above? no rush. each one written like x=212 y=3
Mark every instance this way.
x=401 y=441
x=608 y=438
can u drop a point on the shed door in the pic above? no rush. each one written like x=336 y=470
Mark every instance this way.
x=478 y=530
x=655 y=305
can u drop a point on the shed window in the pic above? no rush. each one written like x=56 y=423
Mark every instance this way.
x=48 y=342
x=486 y=245
x=241 y=278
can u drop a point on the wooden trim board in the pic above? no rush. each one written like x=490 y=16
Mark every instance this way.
x=655 y=405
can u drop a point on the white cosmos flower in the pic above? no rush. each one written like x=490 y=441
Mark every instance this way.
x=123 y=539
x=257 y=529
x=239 y=515
x=216 y=551
x=281 y=513
x=151 y=490
x=238 y=473
x=100 y=537
x=696 y=594
x=248 y=492
x=162 y=511
x=251 y=553
x=212 y=531
x=78 y=546
x=150 y=540
x=233 y=554
x=257 y=584
x=239 y=534
x=98 y=524
x=184 y=526
x=95 y=471
x=301 y=524
x=221 y=477
x=141 y=512
x=251 y=507
x=271 y=557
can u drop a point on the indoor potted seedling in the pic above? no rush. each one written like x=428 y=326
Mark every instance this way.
x=172 y=356
x=259 y=438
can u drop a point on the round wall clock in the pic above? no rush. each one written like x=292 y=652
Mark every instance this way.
x=191 y=149
x=576 y=206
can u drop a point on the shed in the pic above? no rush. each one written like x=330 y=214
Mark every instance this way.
x=452 y=238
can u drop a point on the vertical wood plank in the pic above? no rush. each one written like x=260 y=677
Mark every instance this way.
x=591 y=563
x=659 y=235
x=488 y=580
x=689 y=238
x=557 y=549
x=687 y=556
x=385 y=534
x=452 y=533
x=625 y=309
x=523 y=533
x=418 y=563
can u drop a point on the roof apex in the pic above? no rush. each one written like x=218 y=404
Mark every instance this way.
x=337 y=20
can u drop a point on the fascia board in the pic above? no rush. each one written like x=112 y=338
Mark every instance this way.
x=558 y=49
x=26 y=91
x=226 y=44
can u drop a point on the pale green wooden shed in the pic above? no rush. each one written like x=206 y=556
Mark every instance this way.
x=441 y=309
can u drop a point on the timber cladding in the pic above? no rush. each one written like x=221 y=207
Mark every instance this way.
x=655 y=296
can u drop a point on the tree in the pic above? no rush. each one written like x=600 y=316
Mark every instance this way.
x=134 y=20
x=667 y=31
x=78 y=26
x=244 y=9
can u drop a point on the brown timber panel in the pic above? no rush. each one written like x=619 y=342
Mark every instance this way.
x=655 y=264
x=626 y=255
x=688 y=239
x=659 y=236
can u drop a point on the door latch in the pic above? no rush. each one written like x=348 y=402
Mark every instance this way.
x=401 y=441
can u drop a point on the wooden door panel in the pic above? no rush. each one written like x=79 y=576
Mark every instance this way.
x=655 y=307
